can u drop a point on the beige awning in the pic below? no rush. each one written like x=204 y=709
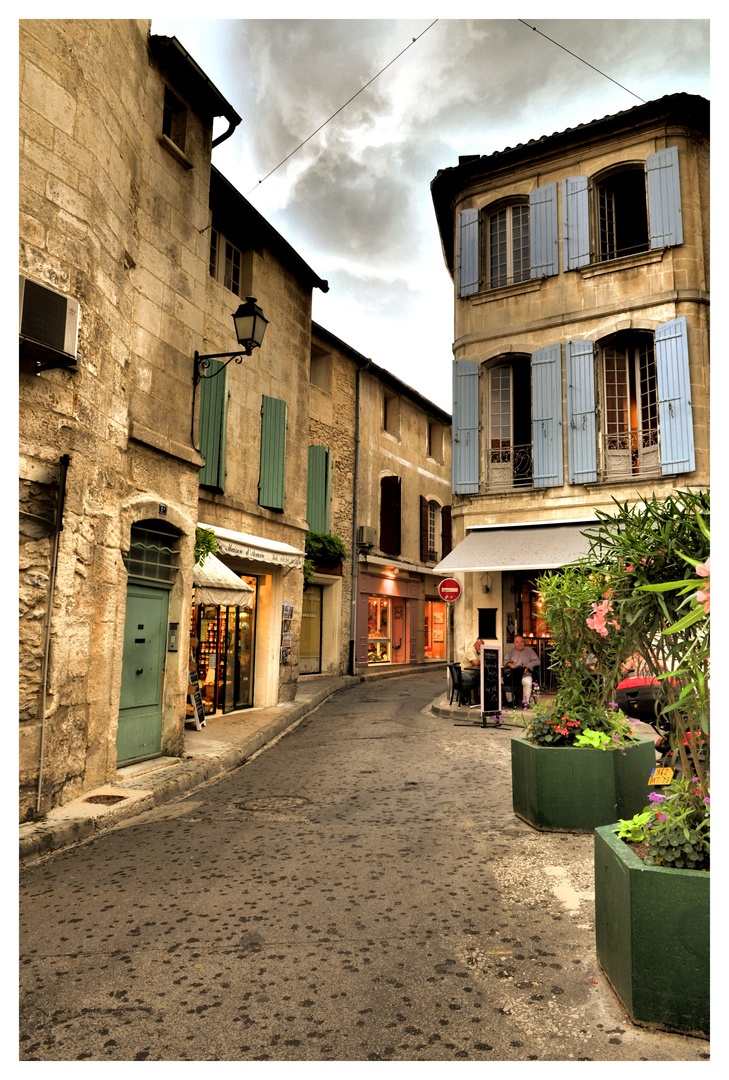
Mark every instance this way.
x=258 y=548
x=518 y=547
x=216 y=583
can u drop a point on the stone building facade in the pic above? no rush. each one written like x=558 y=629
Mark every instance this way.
x=580 y=264
x=119 y=290
x=390 y=504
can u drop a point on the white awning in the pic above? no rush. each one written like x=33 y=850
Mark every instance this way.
x=216 y=583
x=518 y=547
x=258 y=548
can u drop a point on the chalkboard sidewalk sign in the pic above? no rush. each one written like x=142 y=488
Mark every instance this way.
x=194 y=697
x=490 y=685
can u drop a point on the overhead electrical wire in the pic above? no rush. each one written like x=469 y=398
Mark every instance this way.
x=343 y=106
x=402 y=51
x=524 y=23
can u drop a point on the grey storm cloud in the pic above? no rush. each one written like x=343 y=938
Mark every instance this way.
x=355 y=200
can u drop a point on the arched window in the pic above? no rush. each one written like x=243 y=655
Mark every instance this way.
x=630 y=425
x=509 y=441
x=622 y=213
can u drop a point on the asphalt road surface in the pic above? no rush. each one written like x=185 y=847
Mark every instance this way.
x=358 y=891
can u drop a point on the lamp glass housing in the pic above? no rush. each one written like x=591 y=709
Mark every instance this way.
x=250 y=323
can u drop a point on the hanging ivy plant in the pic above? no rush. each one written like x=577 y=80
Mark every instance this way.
x=322 y=549
x=205 y=544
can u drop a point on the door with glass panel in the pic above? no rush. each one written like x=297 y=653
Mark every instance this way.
x=379 y=630
x=631 y=409
x=310 y=640
x=509 y=436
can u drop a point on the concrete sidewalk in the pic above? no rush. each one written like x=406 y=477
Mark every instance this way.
x=224 y=743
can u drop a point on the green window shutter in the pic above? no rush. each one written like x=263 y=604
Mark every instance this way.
x=271 y=485
x=213 y=428
x=319 y=489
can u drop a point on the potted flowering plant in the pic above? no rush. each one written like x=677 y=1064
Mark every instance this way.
x=651 y=869
x=580 y=761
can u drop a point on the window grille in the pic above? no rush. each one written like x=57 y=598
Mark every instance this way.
x=152 y=553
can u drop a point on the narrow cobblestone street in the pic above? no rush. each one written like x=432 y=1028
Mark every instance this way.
x=359 y=891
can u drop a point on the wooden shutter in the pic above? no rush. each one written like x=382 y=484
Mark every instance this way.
x=543 y=238
x=424 y=546
x=675 y=414
x=390 y=515
x=664 y=198
x=547 y=416
x=575 y=223
x=445 y=532
x=319 y=489
x=464 y=458
x=467 y=276
x=213 y=427
x=581 y=418
x=271 y=484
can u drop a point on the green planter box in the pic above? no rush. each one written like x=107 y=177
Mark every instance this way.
x=575 y=789
x=652 y=936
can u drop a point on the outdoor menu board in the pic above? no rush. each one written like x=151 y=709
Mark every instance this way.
x=490 y=680
x=195 y=698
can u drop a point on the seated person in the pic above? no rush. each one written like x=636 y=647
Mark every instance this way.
x=471 y=665
x=520 y=663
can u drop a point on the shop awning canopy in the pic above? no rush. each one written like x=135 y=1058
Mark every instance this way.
x=258 y=548
x=518 y=547
x=216 y=583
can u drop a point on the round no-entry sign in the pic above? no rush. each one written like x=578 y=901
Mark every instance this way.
x=449 y=589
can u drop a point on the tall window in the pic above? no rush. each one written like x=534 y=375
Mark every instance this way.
x=631 y=408
x=225 y=262
x=509 y=451
x=390 y=506
x=174 y=119
x=508 y=246
x=430 y=521
x=622 y=214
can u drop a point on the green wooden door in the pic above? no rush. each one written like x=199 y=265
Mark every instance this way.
x=139 y=734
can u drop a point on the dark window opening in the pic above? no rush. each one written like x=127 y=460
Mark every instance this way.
x=509 y=451
x=174 y=119
x=622 y=215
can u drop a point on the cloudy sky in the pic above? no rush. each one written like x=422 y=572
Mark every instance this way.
x=355 y=200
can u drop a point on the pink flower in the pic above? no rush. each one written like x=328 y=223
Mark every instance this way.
x=704 y=569
x=702 y=597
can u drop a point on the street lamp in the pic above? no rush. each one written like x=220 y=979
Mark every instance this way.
x=250 y=326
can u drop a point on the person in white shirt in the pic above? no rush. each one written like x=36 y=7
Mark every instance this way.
x=471 y=664
x=520 y=663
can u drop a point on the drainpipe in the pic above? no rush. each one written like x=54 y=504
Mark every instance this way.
x=64 y=462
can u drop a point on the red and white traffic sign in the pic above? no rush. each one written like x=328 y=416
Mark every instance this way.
x=449 y=589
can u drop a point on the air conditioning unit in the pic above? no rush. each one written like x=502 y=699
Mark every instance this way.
x=48 y=326
x=366 y=536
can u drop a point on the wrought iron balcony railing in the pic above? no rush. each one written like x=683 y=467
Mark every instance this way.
x=631 y=454
x=509 y=468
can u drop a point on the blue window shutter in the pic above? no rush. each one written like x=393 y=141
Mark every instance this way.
x=664 y=198
x=319 y=489
x=271 y=484
x=581 y=420
x=213 y=427
x=465 y=427
x=467 y=255
x=543 y=225
x=575 y=223
x=547 y=416
x=675 y=416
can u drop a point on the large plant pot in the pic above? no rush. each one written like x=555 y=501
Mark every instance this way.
x=652 y=931
x=575 y=789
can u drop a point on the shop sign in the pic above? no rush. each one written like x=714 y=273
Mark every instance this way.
x=449 y=589
x=244 y=551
